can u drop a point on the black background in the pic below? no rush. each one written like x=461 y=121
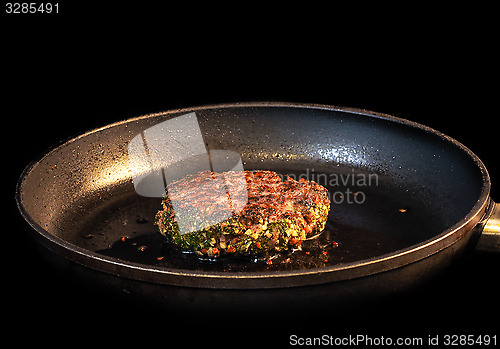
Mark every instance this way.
x=84 y=69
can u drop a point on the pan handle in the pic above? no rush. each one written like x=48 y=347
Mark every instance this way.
x=489 y=241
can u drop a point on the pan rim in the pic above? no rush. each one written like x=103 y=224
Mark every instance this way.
x=249 y=280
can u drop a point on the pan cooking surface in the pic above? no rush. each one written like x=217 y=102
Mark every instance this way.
x=384 y=219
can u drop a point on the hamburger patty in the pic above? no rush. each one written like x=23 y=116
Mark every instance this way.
x=258 y=212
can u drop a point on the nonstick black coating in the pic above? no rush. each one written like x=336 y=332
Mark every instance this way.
x=426 y=193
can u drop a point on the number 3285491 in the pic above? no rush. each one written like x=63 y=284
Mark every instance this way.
x=31 y=7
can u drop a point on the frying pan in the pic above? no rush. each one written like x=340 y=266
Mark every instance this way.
x=407 y=201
